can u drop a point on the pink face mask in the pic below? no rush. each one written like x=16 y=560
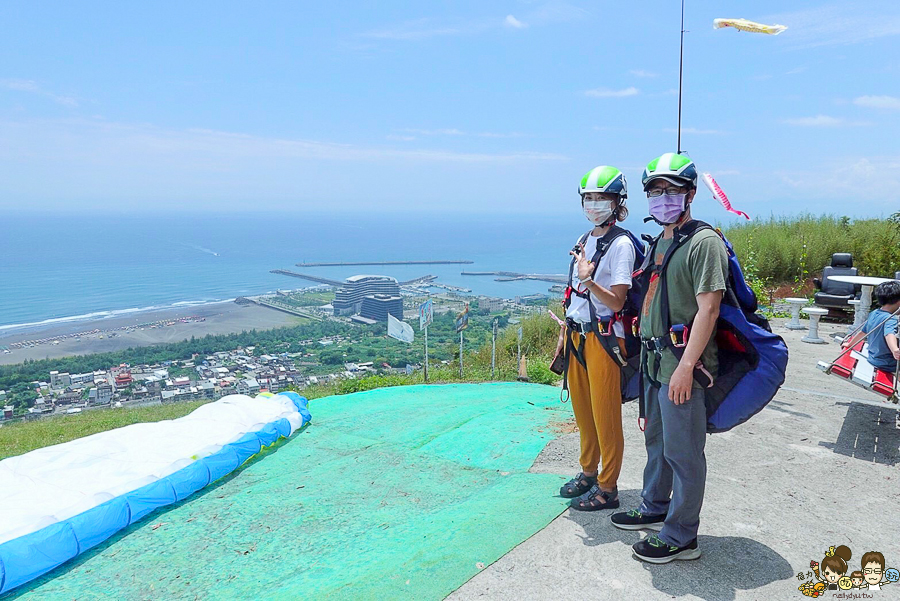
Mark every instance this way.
x=667 y=208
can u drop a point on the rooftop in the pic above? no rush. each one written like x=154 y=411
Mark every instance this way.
x=355 y=279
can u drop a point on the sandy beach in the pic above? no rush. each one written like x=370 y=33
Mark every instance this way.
x=138 y=329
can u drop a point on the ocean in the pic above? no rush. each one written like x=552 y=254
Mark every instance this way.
x=90 y=266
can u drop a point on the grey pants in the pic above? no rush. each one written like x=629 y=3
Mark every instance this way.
x=675 y=436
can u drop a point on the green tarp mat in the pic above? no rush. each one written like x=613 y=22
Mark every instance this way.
x=394 y=493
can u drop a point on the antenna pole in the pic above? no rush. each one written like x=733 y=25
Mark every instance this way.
x=680 y=73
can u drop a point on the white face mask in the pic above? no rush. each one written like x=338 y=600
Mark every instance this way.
x=598 y=212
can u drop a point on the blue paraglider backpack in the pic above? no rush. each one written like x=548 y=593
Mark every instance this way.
x=752 y=360
x=629 y=361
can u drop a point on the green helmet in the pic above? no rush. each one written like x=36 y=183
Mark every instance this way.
x=675 y=168
x=604 y=179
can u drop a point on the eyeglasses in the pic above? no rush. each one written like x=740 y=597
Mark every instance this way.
x=873 y=571
x=671 y=191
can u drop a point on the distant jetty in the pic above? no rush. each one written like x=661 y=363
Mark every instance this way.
x=424 y=280
x=510 y=276
x=311 y=278
x=356 y=264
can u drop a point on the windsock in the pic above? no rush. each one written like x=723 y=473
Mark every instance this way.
x=719 y=195
x=750 y=26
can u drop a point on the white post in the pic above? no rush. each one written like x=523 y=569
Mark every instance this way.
x=460 y=355
x=815 y=314
x=426 y=354
x=796 y=304
x=494 y=349
x=865 y=303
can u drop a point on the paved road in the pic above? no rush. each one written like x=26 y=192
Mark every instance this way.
x=812 y=470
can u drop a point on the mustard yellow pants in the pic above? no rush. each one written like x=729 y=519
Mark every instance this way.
x=596 y=397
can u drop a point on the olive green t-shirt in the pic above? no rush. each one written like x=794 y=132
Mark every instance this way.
x=701 y=265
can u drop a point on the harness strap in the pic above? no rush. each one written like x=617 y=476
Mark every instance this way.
x=681 y=235
x=603 y=246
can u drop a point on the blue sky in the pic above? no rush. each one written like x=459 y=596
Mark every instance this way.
x=451 y=106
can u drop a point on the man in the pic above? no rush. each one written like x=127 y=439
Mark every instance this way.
x=675 y=433
x=873 y=570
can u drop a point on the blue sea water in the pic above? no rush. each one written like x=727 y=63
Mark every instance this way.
x=96 y=265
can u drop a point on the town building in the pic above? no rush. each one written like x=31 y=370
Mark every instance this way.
x=491 y=304
x=81 y=378
x=248 y=386
x=123 y=379
x=60 y=380
x=378 y=306
x=104 y=394
x=348 y=299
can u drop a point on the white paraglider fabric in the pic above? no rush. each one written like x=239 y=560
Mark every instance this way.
x=57 y=502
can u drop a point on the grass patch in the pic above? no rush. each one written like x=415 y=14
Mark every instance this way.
x=21 y=437
x=785 y=250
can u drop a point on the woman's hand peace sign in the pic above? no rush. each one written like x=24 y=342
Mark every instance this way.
x=585 y=268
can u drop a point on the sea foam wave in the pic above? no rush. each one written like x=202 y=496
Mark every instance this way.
x=99 y=315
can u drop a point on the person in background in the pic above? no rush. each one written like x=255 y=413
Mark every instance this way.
x=881 y=327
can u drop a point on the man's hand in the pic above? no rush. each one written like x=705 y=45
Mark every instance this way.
x=896 y=354
x=683 y=379
x=680 y=384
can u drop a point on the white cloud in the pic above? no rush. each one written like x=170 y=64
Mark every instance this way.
x=513 y=22
x=401 y=138
x=823 y=121
x=87 y=137
x=642 y=73
x=420 y=29
x=607 y=93
x=436 y=132
x=875 y=179
x=458 y=132
x=31 y=86
x=839 y=24
x=878 y=102
x=19 y=85
x=74 y=164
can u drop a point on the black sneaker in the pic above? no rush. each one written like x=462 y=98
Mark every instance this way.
x=635 y=520
x=654 y=550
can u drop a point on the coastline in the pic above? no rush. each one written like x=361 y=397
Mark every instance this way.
x=89 y=336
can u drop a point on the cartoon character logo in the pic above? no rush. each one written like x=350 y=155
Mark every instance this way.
x=832 y=575
x=873 y=570
x=834 y=566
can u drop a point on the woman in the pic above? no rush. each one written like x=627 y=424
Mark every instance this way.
x=600 y=277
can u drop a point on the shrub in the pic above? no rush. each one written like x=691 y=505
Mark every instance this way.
x=786 y=250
